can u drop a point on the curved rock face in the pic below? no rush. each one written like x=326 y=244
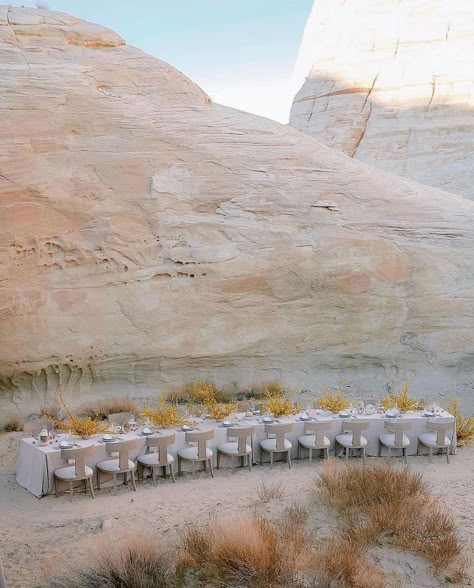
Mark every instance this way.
x=148 y=236
x=391 y=83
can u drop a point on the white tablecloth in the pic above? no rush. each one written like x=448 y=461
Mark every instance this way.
x=36 y=464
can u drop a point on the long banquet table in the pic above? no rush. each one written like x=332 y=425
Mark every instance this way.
x=36 y=464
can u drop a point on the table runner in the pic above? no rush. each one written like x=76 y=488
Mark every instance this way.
x=36 y=464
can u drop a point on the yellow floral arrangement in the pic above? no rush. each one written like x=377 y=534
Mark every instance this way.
x=164 y=414
x=85 y=427
x=401 y=400
x=276 y=400
x=464 y=424
x=332 y=401
x=216 y=410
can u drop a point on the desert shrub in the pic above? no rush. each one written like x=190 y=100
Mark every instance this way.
x=383 y=500
x=164 y=414
x=12 y=424
x=51 y=412
x=136 y=563
x=269 y=491
x=100 y=410
x=402 y=400
x=247 y=552
x=332 y=401
x=351 y=486
x=208 y=396
x=464 y=423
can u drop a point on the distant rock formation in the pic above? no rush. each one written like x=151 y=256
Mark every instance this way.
x=149 y=236
x=391 y=83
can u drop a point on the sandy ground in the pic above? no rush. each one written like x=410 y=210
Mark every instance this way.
x=37 y=535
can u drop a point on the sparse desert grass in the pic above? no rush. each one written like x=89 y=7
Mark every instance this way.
x=51 y=412
x=12 y=424
x=464 y=423
x=269 y=491
x=249 y=552
x=100 y=410
x=386 y=501
x=135 y=563
x=85 y=427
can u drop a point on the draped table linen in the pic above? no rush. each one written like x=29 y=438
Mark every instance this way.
x=36 y=463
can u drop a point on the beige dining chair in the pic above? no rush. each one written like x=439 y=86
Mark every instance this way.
x=315 y=438
x=3 y=582
x=118 y=465
x=352 y=437
x=119 y=418
x=278 y=442
x=157 y=459
x=396 y=437
x=34 y=427
x=77 y=471
x=241 y=447
x=437 y=437
x=196 y=453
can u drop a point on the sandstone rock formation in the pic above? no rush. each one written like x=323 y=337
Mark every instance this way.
x=149 y=236
x=391 y=83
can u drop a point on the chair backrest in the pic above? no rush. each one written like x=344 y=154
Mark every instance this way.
x=242 y=434
x=318 y=428
x=161 y=442
x=356 y=428
x=399 y=427
x=79 y=456
x=279 y=431
x=441 y=427
x=34 y=427
x=119 y=418
x=122 y=448
x=201 y=438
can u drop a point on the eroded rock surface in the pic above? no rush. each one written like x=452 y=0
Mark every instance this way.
x=148 y=236
x=391 y=83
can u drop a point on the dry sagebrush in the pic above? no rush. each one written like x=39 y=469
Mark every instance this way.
x=12 y=424
x=332 y=401
x=464 y=423
x=135 y=563
x=386 y=501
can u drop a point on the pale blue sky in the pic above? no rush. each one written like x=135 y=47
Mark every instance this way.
x=241 y=52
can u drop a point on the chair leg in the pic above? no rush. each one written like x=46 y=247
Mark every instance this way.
x=347 y=452
x=218 y=457
x=430 y=458
x=125 y=478
x=210 y=468
x=153 y=476
x=172 y=473
x=71 y=490
x=380 y=450
x=85 y=485
x=179 y=466
x=299 y=451
x=389 y=452
x=447 y=454
x=249 y=459
x=56 y=487
x=363 y=454
x=98 y=480
x=192 y=469
x=417 y=448
x=310 y=455
x=271 y=460
x=205 y=466
x=405 y=453
x=115 y=484
x=132 y=473
x=327 y=452
x=91 y=485
x=289 y=460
